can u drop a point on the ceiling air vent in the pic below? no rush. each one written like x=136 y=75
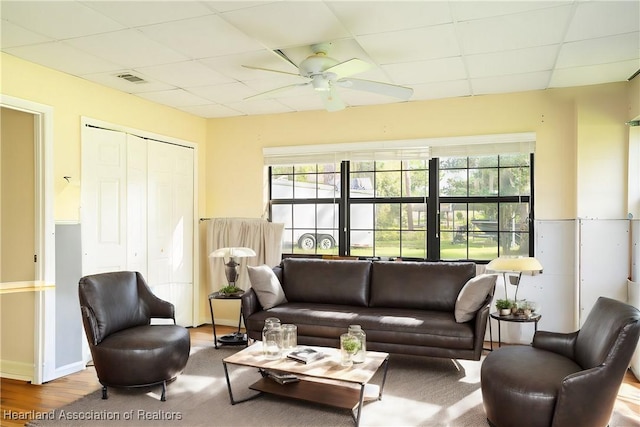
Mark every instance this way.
x=131 y=78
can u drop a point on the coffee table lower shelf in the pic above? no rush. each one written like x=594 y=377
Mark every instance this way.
x=312 y=391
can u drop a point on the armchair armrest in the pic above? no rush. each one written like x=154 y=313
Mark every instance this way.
x=161 y=309
x=560 y=343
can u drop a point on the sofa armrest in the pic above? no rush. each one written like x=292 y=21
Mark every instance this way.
x=481 y=318
x=560 y=343
x=250 y=304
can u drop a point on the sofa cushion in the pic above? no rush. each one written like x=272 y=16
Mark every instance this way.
x=419 y=285
x=266 y=286
x=472 y=295
x=326 y=281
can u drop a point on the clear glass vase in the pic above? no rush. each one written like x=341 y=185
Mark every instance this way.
x=357 y=332
x=272 y=338
x=349 y=345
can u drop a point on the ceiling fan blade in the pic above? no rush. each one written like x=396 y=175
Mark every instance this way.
x=396 y=91
x=331 y=100
x=269 y=69
x=269 y=93
x=349 y=68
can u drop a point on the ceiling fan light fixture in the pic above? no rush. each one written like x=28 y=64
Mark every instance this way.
x=320 y=83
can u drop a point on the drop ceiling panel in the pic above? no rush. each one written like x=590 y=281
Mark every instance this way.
x=129 y=48
x=62 y=57
x=439 y=90
x=512 y=62
x=536 y=28
x=594 y=74
x=287 y=24
x=474 y=10
x=587 y=22
x=174 y=98
x=57 y=19
x=185 y=74
x=599 y=51
x=225 y=93
x=383 y=17
x=112 y=80
x=427 y=71
x=201 y=37
x=511 y=83
x=411 y=45
x=138 y=13
x=14 y=35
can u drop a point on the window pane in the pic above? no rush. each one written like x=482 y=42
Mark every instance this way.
x=452 y=163
x=388 y=165
x=282 y=214
x=304 y=216
x=361 y=184
x=362 y=216
x=387 y=243
x=327 y=215
x=453 y=182
x=304 y=241
x=279 y=170
x=415 y=183
x=281 y=187
x=515 y=181
x=361 y=243
x=483 y=162
x=416 y=164
x=387 y=216
x=388 y=184
x=305 y=186
x=514 y=160
x=363 y=166
x=483 y=182
x=414 y=244
x=414 y=216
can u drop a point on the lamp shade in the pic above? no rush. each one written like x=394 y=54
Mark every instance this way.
x=232 y=253
x=518 y=264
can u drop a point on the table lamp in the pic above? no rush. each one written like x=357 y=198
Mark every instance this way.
x=231 y=266
x=518 y=265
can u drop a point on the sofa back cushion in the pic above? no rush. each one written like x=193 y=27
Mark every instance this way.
x=419 y=285
x=326 y=281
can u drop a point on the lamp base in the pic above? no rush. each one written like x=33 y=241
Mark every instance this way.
x=236 y=338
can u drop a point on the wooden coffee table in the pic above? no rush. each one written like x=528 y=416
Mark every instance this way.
x=323 y=381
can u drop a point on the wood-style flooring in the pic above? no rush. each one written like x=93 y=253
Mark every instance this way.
x=23 y=398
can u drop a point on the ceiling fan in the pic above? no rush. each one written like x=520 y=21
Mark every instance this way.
x=324 y=74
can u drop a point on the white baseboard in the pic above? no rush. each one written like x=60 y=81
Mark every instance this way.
x=16 y=370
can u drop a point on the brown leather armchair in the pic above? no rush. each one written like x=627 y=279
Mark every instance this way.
x=563 y=380
x=127 y=350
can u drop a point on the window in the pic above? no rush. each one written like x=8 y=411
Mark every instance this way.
x=452 y=207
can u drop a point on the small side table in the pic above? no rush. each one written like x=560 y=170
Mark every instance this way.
x=236 y=338
x=534 y=318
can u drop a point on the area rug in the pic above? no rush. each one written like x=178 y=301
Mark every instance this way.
x=419 y=391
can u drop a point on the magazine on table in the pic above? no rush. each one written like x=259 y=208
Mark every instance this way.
x=305 y=355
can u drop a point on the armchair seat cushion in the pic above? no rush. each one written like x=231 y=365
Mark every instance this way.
x=524 y=380
x=143 y=355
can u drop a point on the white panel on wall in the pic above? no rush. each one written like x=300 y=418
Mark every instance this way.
x=603 y=261
x=555 y=290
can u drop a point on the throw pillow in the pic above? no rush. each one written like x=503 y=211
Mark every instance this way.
x=472 y=296
x=266 y=286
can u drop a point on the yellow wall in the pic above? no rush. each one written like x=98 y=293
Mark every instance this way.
x=570 y=124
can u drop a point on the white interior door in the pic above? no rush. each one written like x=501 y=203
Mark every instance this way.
x=137 y=204
x=138 y=212
x=170 y=227
x=103 y=201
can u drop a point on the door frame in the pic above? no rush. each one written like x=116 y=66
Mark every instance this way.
x=44 y=286
x=84 y=121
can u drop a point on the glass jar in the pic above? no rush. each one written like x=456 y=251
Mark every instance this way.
x=272 y=338
x=357 y=332
x=349 y=345
x=289 y=337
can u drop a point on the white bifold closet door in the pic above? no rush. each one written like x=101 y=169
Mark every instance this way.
x=138 y=212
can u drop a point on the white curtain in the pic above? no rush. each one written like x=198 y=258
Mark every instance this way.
x=264 y=237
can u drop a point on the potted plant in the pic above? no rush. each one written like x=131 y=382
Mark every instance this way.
x=349 y=345
x=504 y=306
x=231 y=290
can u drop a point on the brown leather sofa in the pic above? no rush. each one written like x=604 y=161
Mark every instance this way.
x=127 y=350
x=563 y=380
x=404 y=307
